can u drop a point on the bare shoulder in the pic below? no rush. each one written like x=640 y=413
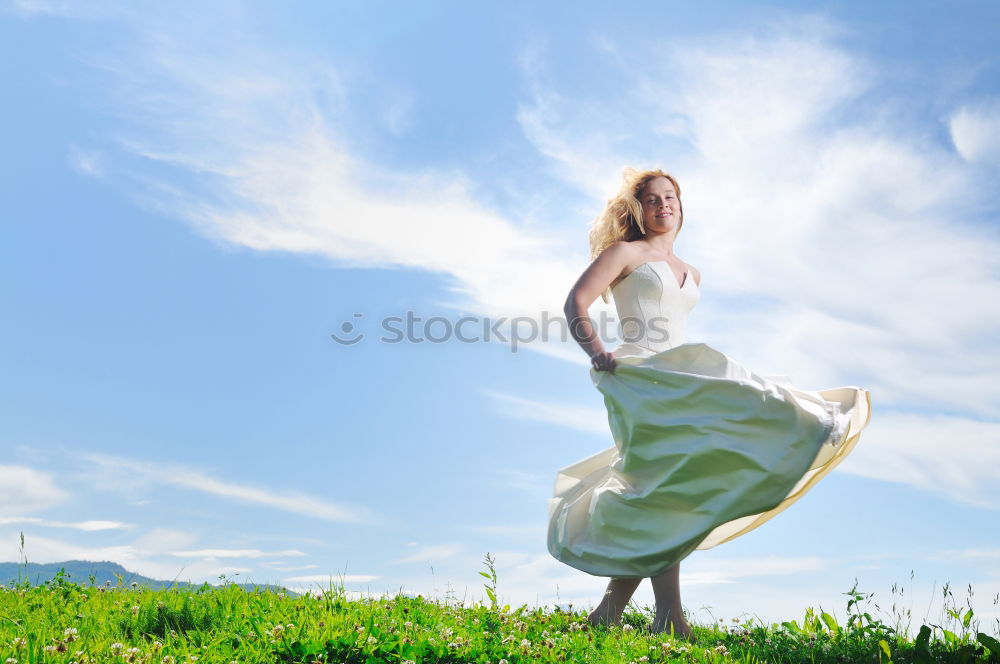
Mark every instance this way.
x=622 y=250
x=619 y=256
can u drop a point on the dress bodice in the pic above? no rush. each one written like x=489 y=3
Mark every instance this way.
x=653 y=308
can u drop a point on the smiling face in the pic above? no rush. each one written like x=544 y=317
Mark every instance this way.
x=661 y=208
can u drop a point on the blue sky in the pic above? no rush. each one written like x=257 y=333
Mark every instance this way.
x=194 y=202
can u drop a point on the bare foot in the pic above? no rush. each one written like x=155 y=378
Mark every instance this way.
x=598 y=618
x=678 y=627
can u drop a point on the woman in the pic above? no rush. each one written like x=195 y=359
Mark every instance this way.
x=705 y=450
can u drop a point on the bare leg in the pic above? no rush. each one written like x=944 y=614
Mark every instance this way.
x=616 y=597
x=669 y=615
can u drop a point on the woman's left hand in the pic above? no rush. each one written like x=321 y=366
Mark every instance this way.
x=603 y=361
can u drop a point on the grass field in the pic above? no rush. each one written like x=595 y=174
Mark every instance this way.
x=64 y=620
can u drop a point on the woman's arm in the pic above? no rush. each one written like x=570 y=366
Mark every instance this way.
x=594 y=280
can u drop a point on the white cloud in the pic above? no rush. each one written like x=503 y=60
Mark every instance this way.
x=522 y=480
x=951 y=456
x=92 y=525
x=32 y=7
x=432 y=554
x=700 y=571
x=533 y=531
x=335 y=579
x=145 y=556
x=46 y=550
x=833 y=247
x=158 y=541
x=24 y=489
x=282 y=179
x=146 y=474
x=973 y=553
x=282 y=566
x=88 y=162
x=234 y=553
x=582 y=418
x=975 y=131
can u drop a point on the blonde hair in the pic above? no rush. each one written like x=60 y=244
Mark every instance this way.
x=621 y=218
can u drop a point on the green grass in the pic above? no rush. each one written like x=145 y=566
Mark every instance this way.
x=64 y=621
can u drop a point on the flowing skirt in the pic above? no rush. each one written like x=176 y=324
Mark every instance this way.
x=705 y=451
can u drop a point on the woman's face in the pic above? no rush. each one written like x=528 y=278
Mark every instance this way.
x=661 y=209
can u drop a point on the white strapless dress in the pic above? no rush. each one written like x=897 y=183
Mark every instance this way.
x=705 y=449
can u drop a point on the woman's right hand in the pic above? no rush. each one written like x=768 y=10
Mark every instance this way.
x=603 y=361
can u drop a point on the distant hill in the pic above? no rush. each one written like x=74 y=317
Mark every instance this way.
x=80 y=571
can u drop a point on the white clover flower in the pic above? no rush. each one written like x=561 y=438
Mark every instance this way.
x=70 y=633
x=627 y=628
x=116 y=647
x=721 y=649
x=169 y=659
x=644 y=658
x=525 y=643
x=135 y=610
x=20 y=642
x=502 y=661
x=10 y=660
x=49 y=649
x=372 y=639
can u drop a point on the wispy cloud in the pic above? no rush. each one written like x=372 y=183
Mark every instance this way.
x=281 y=566
x=330 y=578
x=522 y=480
x=234 y=553
x=827 y=237
x=701 y=572
x=433 y=553
x=973 y=553
x=149 y=474
x=275 y=174
x=975 y=130
x=49 y=550
x=92 y=525
x=952 y=456
x=88 y=162
x=582 y=418
x=533 y=531
x=24 y=489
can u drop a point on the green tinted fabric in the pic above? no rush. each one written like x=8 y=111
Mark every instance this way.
x=705 y=450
